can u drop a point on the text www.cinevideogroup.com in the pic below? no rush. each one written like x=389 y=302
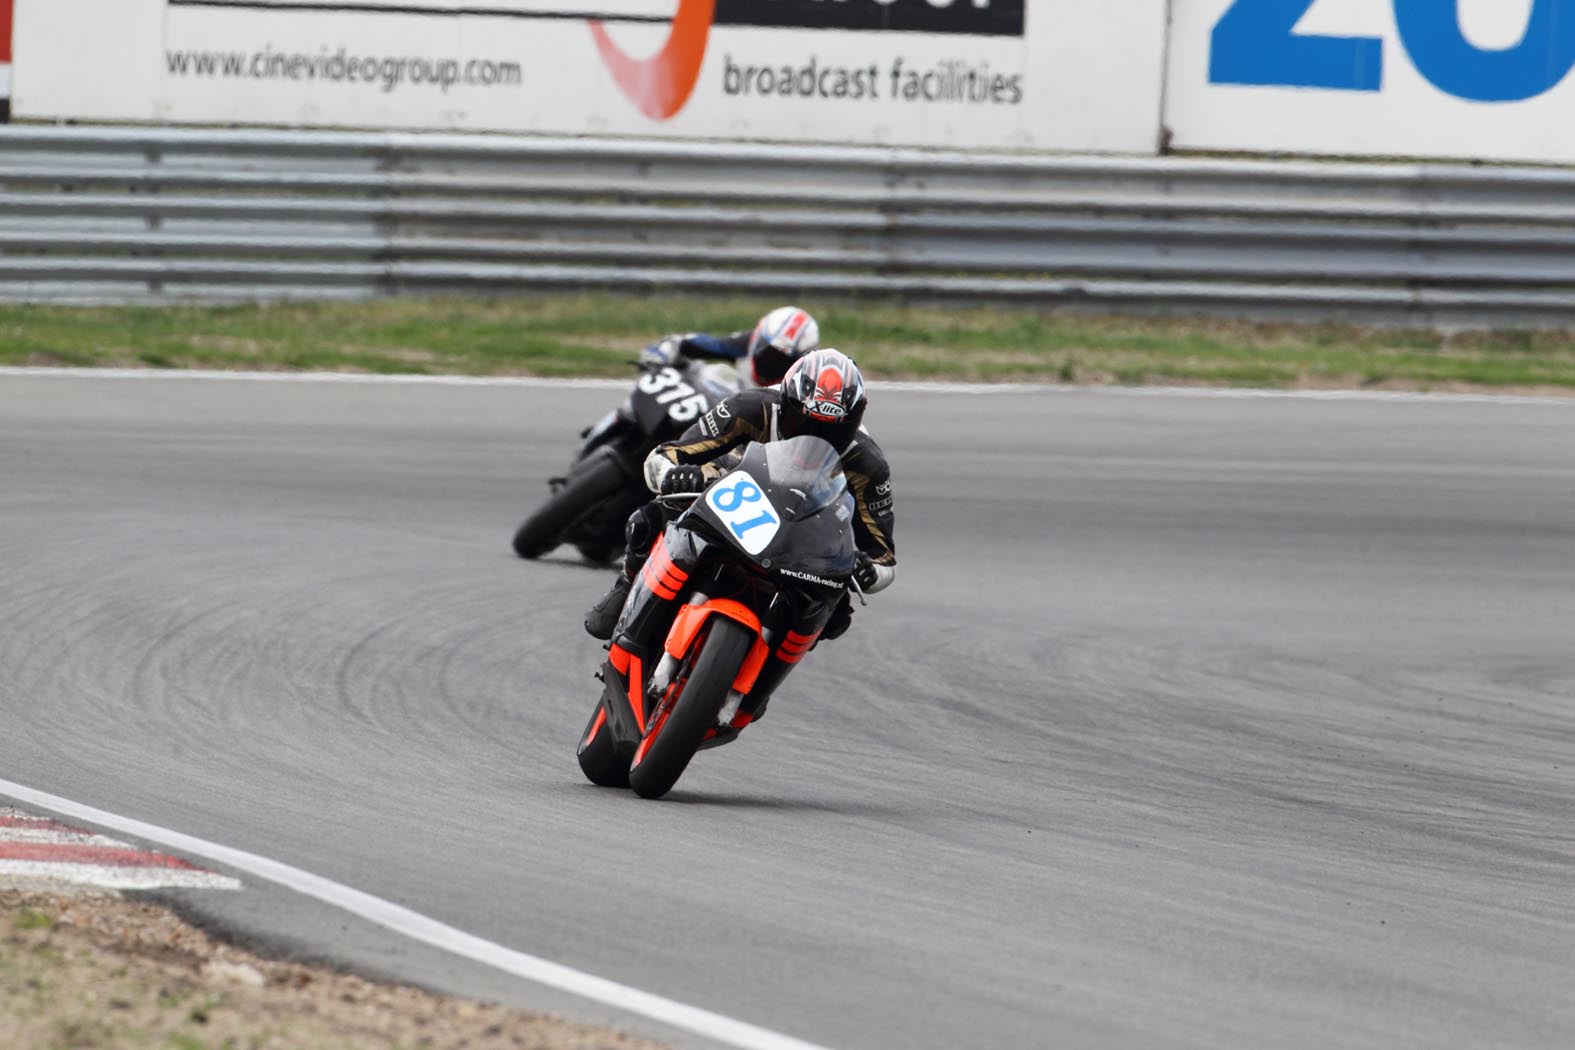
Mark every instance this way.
x=385 y=73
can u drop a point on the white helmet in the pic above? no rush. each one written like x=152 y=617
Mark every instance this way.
x=783 y=336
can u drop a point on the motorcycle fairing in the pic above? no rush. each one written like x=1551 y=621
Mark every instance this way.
x=692 y=617
x=796 y=480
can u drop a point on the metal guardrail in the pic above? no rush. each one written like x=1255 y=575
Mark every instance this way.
x=111 y=214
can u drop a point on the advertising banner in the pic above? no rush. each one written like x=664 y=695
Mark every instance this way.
x=1468 y=79
x=1062 y=75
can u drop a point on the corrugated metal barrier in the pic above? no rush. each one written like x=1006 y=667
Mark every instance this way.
x=157 y=215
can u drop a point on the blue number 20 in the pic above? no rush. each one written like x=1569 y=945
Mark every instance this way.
x=1255 y=42
x=1535 y=66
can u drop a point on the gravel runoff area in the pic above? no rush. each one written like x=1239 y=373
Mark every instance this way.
x=94 y=970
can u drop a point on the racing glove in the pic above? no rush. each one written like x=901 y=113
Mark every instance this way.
x=661 y=354
x=864 y=573
x=683 y=478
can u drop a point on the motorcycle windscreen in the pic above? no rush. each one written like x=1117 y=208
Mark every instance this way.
x=787 y=502
x=806 y=471
x=821 y=545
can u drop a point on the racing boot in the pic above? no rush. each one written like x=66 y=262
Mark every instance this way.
x=603 y=616
x=643 y=528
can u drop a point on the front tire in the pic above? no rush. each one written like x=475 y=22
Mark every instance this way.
x=544 y=530
x=598 y=756
x=676 y=736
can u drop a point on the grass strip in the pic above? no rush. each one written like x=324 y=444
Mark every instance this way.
x=596 y=335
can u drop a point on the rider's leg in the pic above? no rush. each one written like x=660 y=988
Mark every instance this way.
x=653 y=594
x=642 y=529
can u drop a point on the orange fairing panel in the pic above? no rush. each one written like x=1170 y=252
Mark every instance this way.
x=691 y=618
x=795 y=645
x=660 y=574
x=628 y=665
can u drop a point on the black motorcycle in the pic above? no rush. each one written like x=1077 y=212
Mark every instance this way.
x=605 y=482
x=774 y=539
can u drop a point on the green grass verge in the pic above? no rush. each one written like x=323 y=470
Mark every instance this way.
x=595 y=335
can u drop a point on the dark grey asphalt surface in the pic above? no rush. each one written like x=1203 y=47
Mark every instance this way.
x=1189 y=722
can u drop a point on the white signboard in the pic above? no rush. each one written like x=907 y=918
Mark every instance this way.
x=1063 y=75
x=1484 y=79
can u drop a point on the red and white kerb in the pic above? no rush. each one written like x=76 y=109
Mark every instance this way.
x=40 y=849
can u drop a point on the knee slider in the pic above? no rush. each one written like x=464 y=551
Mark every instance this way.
x=643 y=525
x=639 y=532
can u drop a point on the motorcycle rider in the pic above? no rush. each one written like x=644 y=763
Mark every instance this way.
x=822 y=394
x=752 y=358
x=783 y=336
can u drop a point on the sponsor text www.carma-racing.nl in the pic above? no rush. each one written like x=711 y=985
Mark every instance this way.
x=342 y=67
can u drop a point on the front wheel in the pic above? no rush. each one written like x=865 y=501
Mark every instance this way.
x=544 y=530
x=672 y=741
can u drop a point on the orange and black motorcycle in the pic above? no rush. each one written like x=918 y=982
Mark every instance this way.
x=771 y=554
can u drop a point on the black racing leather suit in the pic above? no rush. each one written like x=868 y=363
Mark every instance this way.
x=700 y=346
x=715 y=443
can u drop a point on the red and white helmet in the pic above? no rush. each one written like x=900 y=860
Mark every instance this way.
x=823 y=395
x=783 y=336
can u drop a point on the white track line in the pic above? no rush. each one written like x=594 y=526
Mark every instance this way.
x=429 y=931
x=367 y=379
x=63 y=838
x=116 y=877
x=357 y=378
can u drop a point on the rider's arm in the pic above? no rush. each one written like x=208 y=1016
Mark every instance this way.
x=739 y=419
x=714 y=348
x=869 y=479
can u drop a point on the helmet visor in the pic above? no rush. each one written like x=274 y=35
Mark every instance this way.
x=795 y=422
x=771 y=364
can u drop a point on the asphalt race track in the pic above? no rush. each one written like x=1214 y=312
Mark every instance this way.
x=1190 y=721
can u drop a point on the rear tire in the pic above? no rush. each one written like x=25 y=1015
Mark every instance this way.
x=544 y=530
x=599 y=757
x=722 y=653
